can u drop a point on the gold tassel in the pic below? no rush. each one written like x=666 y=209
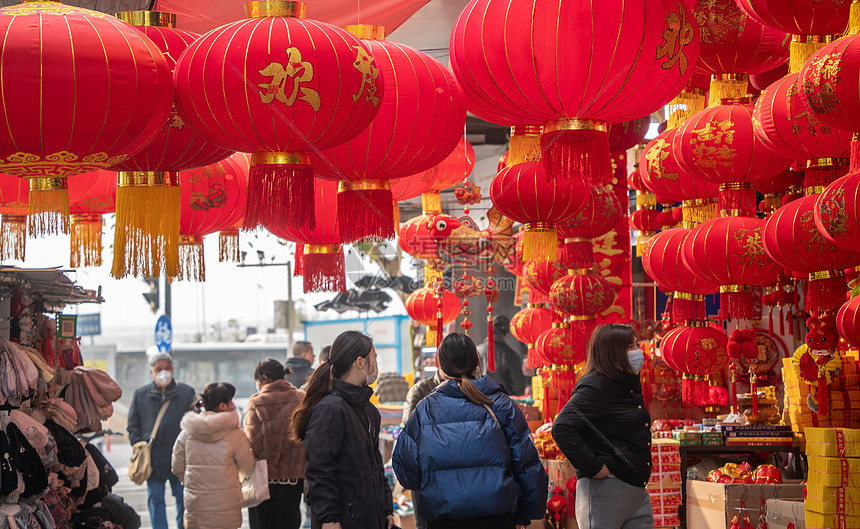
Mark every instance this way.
x=853 y=19
x=803 y=47
x=431 y=203
x=431 y=274
x=396 y=216
x=645 y=200
x=49 y=207
x=191 y=264
x=228 y=246
x=86 y=241
x=525 y=145
x=430 y=337
x=13 y=237
x=146 y=240
x=540 y=242
x=695 y=212
x=727 y=86
x=683 y=107
x=642 y=241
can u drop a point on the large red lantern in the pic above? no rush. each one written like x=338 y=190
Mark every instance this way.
x=661 y=173
x=542 y=274
x=423 y=307
x=734 y=45
x=641 y=53
x=100 y=94
x=848 y=321
x=837 y=212
x=523 y=193
x=91 y=195
x=211 y=197
x=419 y=122
x=582 y=295
x=554 y=347
x=14 y=198
x=800 y=17
x=600 y=215
x=285 y=86
x=626 y=135
x=450 y=172
x=791 y=239
x=527 y=325
x=696 y=351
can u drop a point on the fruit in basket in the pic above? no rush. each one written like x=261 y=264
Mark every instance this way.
x=765 y=474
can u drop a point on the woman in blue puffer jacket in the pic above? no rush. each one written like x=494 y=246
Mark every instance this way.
x=467 y=450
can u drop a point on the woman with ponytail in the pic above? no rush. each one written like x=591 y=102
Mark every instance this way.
x=340 y=430
x=467 y=450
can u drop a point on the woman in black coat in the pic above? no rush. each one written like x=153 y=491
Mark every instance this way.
x=340 y=429
x=605 y=432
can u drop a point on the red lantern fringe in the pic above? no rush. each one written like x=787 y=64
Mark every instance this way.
x=491 y=345
x=855 y=154
x=736 y=305
x=536 y=297
x=228 y=246
x=533 y=360
x=324 y=271
x=13 y=237
x=738 y=202
x=564 y=382
x=826 y=294
x=578 y=253
x=545 y=410
x=581 y=154
x=770 y=321
x=824 y=175
x=695 y=390
x=580 y=334
x=823 y=396
x=365 y=214
x=781 y=324
x=300 y=262
x=686 y=309
x=280 y=196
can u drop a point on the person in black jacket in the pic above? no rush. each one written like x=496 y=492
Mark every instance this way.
x=605 y=432
x=340 y=430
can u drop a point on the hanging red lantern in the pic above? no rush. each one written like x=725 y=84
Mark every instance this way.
x=600 y=215
x=450 y=172
x=542 y=274
x=419 y=122
x=829 y=86
x=848 y=321
x=696 y=352
x=523 y=193
x=642 y=62
x=103 y=91
x=423 y=307
x=582 y=295
x=792 y=240
x=837 y=212
x=91 y=195
x=14 y=199
x=554 y=347
x=662 y=175
x=734 y=45
x=799 y=17
x=527 y=326
x=646 y=222
x=211 y=198
x=760 y=81
x=285 y=86
x=626 y=135
x=779 y=189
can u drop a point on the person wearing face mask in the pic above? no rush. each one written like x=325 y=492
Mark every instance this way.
x=177 y=398
x=210 y=454
x=340 y=430
x=605 y=432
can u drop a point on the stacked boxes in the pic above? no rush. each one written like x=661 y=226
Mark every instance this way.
x=833 y=494
x=844 y=399
x=665 y=484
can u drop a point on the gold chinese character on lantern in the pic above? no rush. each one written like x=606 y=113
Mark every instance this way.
x=174 y=121
x=297 y=71
x=656 y=156
x=678 y=34
x=369 y=73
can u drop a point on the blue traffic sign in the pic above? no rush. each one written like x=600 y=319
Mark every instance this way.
x=163 y=334
x=89 y=324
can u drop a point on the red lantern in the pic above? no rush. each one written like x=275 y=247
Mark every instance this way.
x=91 y=195
x=285 y=86
x=554 y=347
x=582 y=295
x=837 y=212
x=211 y=198
x=626 y=135
x=423 y=307
x=734 y=44
x=418 y=124
x=761 y=81
x=661 y=173
x=848 y=321
x=600 y=215
x=523 y=193
x=645 y=221
x=102 y=92
x=450 y=172
x=829 y=84
x=696 y=352
x=542 y=274
x=14 y=199
x=792 y=240
x=799 y=17
x=527 y=325
x=737 y=242
x=513 y=70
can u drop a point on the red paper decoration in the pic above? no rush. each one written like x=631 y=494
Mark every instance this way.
x=450 y=172
x=419 y=122
x=848 y=321
x=696 y=352
x=278 y=86
x=91 y=195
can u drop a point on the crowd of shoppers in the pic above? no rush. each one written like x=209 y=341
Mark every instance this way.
x=465 y=449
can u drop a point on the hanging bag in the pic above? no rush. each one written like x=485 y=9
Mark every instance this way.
x=140 y=466
x=255 y=486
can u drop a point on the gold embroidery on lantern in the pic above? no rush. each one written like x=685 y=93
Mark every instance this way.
x=50 y=8
x=711 y=144
x=210 y=193
x=719 y=21
x=299 y=72
x=752 y=245
x=809 y=120
x=174 y=120
x=832 y=213
x=364 y=63
x=815 y=242
x=656 y=156
x=820 y=89
x=58 y=164
x=678 y=34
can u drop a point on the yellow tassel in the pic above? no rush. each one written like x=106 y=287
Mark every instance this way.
x=228 y=246
x=86 y=241
x=727 y=86
x=431 y=274
x=430 y=337
x=191 y=264
x=431 y=203
x=146 y=240
x=800 y=52
x=540 y=243
x=49 y=207
x=525 y=145
x=695 y=212
x=641 y=242
x=396 y=216
x=13 y=237
x=645 y=200
x=854 y=19
x=683 y=107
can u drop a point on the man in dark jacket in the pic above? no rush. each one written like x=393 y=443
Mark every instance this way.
x=145 y=405
x=299 y=365
x=509 y=362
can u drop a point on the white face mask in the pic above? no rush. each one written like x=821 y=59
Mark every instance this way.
x=371 y=377
x=636 y=359
x=163 y=378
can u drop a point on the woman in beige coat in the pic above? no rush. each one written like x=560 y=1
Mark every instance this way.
x=208 y=457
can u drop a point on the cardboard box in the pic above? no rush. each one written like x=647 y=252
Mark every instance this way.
x=834 y=471
x=833 y=442
x=780 y=513
x=713 y=505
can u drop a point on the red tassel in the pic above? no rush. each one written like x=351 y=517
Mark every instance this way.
x=737 y=305
x=439 y=328
x=324 y=271
x=532 y=359
x=545 y=410
x=770 y=321
x=782 y=325
x=740 y=202
x=823 y=396
x=824 y=175
x=365 y=214
x=582 y=154
x=491 y=345
x=685 y=309
x=578 y=253
x=855 y=155
x=300 y=262
x=580 y=334
x=826 y=294
x=564 y=382
x=280 y=196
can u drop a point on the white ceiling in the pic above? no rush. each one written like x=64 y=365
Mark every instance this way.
x=430 y=28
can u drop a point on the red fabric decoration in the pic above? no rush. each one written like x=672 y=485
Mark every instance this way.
x=848 y=321
x=695 y=352
x=760 y=81
x=284 y=86
x=799 y=17
x=450 y=172
x=419 y=122
x=661 y=174
x=626 y=135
